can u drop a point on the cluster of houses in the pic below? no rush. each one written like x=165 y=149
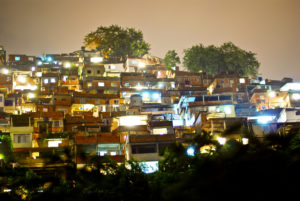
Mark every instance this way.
x=130 y=110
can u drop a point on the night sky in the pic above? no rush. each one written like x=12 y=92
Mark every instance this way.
x=270 y=28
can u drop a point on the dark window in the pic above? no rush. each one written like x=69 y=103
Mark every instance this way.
x=210 y=98
x=143 y=149
x=89 y=71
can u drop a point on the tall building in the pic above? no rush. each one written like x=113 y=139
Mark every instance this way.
x=2 y=55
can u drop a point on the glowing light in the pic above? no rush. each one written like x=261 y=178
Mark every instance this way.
x=272 y=94
x=227 y=110
x=146 y=95
x=156 y=96
x=54 y=143
x=31 y=95
x=52 y=80
x=32 y=68
x=207 y=149
x=149 y=166
x=245 y=141
x=296 y=96
x=67 y=65
x=190 y=151
x=5 y=71
x=22 y=79
x=35 y=154
x=39 y=63
x=291 y=87
x=46 y=81
x=242 y=80
x=88 y=107
x=221 y=140
x=96 y=59
x=133 y=120
x=262 y=119
x=142 y=65
x=49 y=59
x=39 y=74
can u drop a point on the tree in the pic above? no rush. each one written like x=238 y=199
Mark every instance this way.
x=171 y=59
x=214 y=60
x=116 y=44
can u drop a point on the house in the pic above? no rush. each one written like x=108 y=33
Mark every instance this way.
x=21 y=130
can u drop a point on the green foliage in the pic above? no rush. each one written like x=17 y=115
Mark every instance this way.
x=116 y=44
x=171 y=59
x=6 y=148
x=214 y=60
x=261 y=170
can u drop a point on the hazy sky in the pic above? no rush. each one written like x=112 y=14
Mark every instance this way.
x=270 y=28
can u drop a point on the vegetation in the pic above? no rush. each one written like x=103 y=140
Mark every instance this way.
x=116 y=44
x=261 y=170
x=214 y=60
x=171 y=59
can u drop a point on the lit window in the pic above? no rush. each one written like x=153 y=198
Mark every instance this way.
x=89 y=84
x=112 y=67
x=100 y=84
x=160 y=131
x=52 y=80
x=17 y=58
x=46 y=81
x=242 y=80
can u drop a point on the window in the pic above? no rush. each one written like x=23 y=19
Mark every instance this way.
x=57 y=123
x=1 y=99
x=113 y=84
x=143 y=149
x=242 y=80
x=100 y=84
x=89 y=72
x=196 y=79
x=22 y=138
x=45 y=109
x=116 y=102
x=98 y=72
x=46 y=81
x=89 y=84
x=52 y=80
x=30 y=58
x=160 y=131
x=17 y=58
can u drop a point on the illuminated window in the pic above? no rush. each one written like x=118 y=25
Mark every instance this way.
x=160 y=131
x=46 y=81
x=89 y=84
x=52 y=80
x=100 y=84
x=242 y=80
x=17 y=58
x=30 y=58
x=54 y=143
